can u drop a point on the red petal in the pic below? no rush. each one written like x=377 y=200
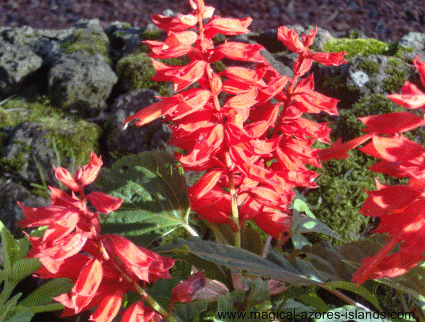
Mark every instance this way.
x=67 y=179
x=108 y=307
x=226 y=26
x=391 y=123
x=103 y=202
x=136 y=260
x=90 y=171
x=89 y=279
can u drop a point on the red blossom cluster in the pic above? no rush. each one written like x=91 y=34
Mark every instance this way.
x=256 y=146
x=102 y=267
x=401 y=209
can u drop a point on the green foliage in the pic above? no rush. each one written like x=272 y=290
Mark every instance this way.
x=155 y=197
x=90 y=42
x=275 y=266
x=254 y=302
x=16 y=267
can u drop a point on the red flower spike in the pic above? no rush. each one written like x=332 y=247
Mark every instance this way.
x=185 y=291
x=420 y=66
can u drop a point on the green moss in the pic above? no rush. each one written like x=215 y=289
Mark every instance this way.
x=364 y=47
x=137 y=69
x=370 y=67
x=90 y=42
x=73 y=138
x=398 y=76
x=333 y=84
x=153 y=33
x=17 y=110
x=352 y=34
x=340 y=194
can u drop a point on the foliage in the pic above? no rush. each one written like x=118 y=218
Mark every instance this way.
x=14 y=268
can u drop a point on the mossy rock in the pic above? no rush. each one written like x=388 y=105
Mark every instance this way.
x=90 y=42
x=72 y=140
x=15 y=110
x=364 y=47
x=136 y=70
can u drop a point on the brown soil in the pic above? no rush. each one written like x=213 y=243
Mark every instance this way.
x=386 y=20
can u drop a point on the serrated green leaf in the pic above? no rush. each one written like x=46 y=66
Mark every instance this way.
x=154 y=193
x=242 y=260
x=24 y=267
x=9 y=247
x=46 y=292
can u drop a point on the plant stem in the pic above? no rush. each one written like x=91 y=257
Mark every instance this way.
x=345 y=298
x=266 y=247
x=191 y=231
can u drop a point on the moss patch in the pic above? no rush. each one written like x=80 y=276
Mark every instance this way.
x=370 y=67
x=74 y=139
x=340 y=194
x=398 y=76
x=90 y=42
x=364 y=47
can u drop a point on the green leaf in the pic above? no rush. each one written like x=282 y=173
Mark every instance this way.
x=307 y=224
x=241 y=305
x=46 y=292
x=187 y=311
x=350 y=312
x=242 y=260
x=360 y=290
x=154 y=193
x=21 y=317
x=301 y=206
x=294 y=309
x=9 y=247
x=299 y=241
x=9 y=306
x=24 y=267
x=306 y=297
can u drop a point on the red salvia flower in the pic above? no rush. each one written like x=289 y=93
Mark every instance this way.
x=233 y=141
